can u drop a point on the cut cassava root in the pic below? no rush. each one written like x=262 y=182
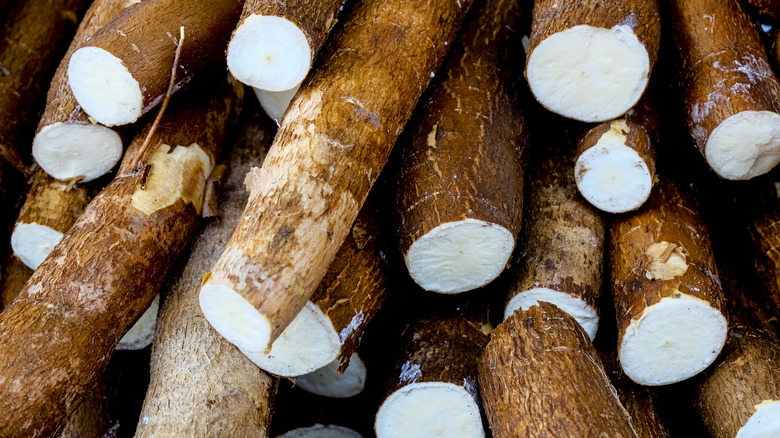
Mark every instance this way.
x=731 y=95
x=669 y=301
x=329 y=382
x=460 y=188
x=563 y=246
x=122 y=72
x=591 y=61
x=330 y=148
x=275 y=103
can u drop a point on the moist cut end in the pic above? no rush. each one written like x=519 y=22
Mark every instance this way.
x=321 y=431
x=270 y=53
x=235 y=318
x=73 y=150
x=765 y=423
x=673 y=340
x=430 y=409
x=32 y=243
x=585 y=315
x=459 y=256
x=275 y=103
x=328 y=382
x=589 y=73
x=104 y=87
x=744 y=145
x=310 y=342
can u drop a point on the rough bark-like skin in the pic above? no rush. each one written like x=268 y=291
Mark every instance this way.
x=670 y=215
x=765 y=232
x=147 y=51
x=770 y=8
x=724 y=66
x=97 y=414
x=541 y=377
x=58 y=335
x=15 y=276
x=563 y=237
x=465 y=160
x=53 y=203
x=201 y=385
x=315 y=18
x=332 y=144
x=32 y=41
x=553 y=16
x=61 y=106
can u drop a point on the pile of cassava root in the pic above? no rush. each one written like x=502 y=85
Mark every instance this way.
x=426 y=218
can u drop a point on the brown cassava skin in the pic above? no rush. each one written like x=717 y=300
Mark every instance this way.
x=670 y=215
x=225 y=395
x=765 y=232
x=724 y=66
x=333 y=142
x=97 y=413
x=15 y=276
x=58 y=335
x=148 y=51
x=540 y=376
x=53 y=203
x=465 y=160
x=563 y=238
x=770 y=8
x=32 y=41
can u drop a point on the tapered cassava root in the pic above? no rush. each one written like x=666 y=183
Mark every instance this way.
x=330 y=148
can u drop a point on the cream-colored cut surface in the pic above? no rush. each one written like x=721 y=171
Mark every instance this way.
x=235 y=318
x=589 y=73
x=430 y=409
x=275 y=103
x=612 y=176
x=310 y=342
x=321 y=431
x=270 y=53
x=32 y=243
x=744 y=145
x=71 y=150
x=576 y=307
x=459 y=256
x=673 y=340
x=104 y=87
x=665 y=261
x=328 y=382
x=180 y=174
x=141 y=333
x=765 y=423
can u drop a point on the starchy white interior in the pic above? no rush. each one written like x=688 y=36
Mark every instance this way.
x=459 y=256
x=32 y=243
x=235 y=318
x=310 y=342
x=576 y=307
x=71 y=150
x=765 y=423
x=275 y=103
x=321 y=431
x=673 y=340
x=328 y=382
x=430 y=409
x=612 y=176
x=744 y=145
x=104 y=87
x=141 y=333
x=270 y=53
x=589 y=73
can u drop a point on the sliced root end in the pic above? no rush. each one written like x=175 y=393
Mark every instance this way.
x=141 y=333
x=270 y=53
x=235 y=318
x=328 y=382
x=32 y=243
x=429 y=409
x=745 y=145
x=275 y=103
x=765 y=423
x=72 y=150
x=321 y=431
x=580 y=310
x=573 y=72
x=673 y=340
x=460 y=256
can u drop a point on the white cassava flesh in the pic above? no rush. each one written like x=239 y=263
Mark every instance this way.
x=72 y=150
x=275 y=103
x=141 y=333
x=235 y=318
x=585 y=315
x=328 y=382
x=104 y=87
x=310 y=342
x=32 y=243
x=589 y=73
x=673 y=340
x=765 y=423
x=429 y=409
x=612 y=176
x=745 y=145
x=459 y=256
x=321 y=431
x=270 y=53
